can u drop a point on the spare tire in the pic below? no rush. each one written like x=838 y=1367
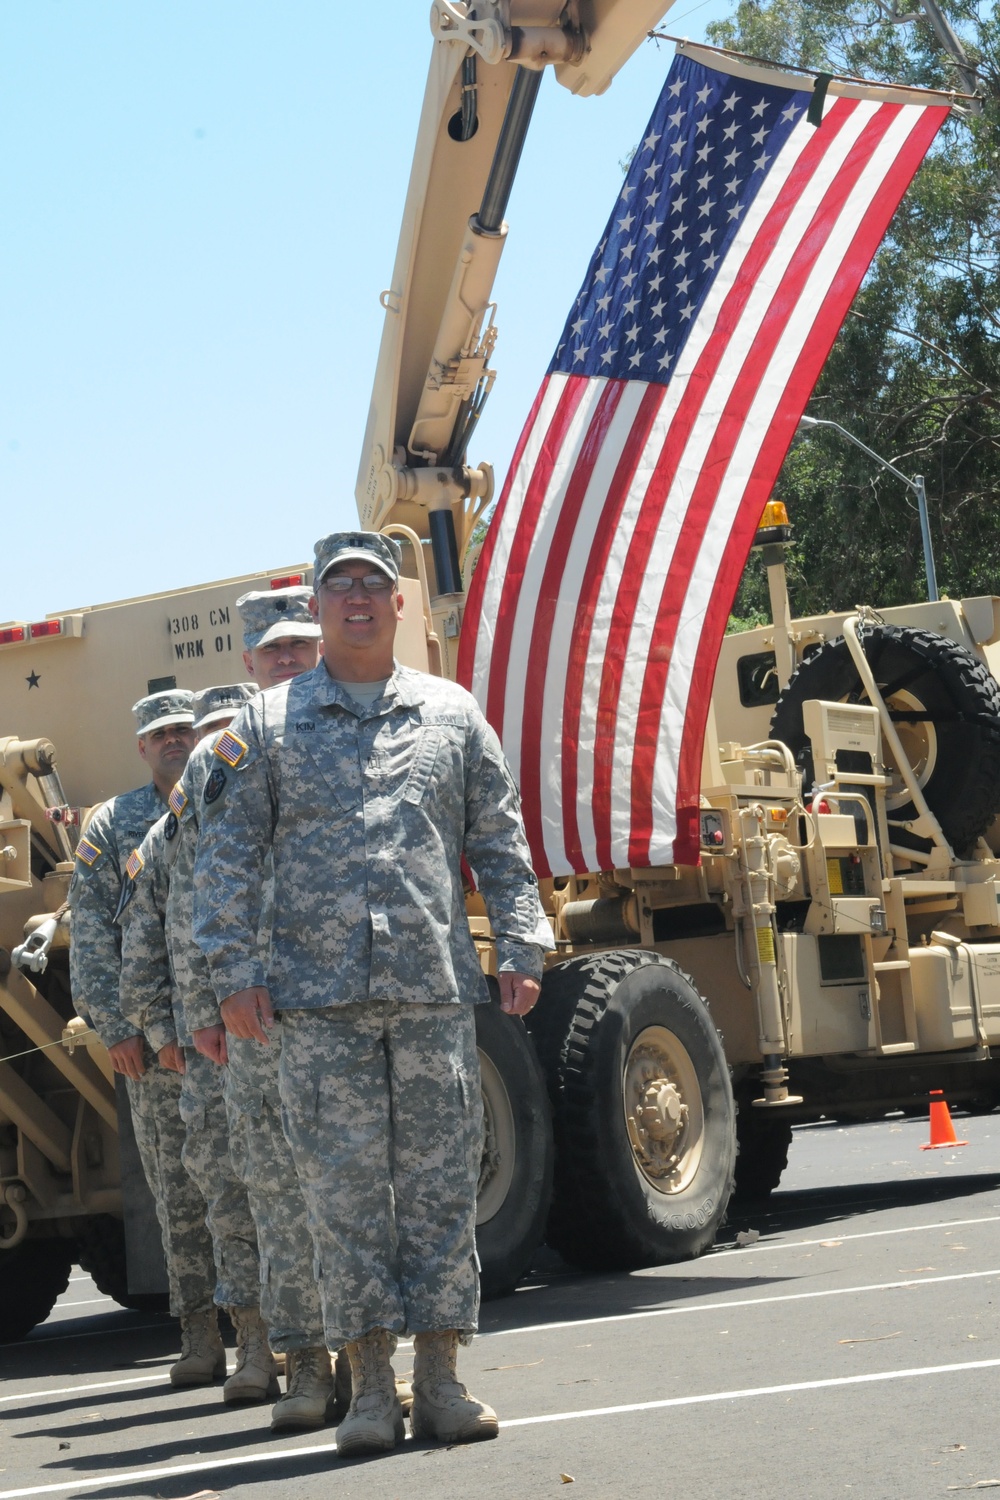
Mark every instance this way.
x=946 y=709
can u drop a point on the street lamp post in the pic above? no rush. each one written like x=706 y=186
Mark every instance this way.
x=916 y=484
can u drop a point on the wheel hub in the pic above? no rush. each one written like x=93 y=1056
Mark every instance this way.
x=663 y=1110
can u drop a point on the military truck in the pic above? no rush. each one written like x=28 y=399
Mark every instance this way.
x=836 y=951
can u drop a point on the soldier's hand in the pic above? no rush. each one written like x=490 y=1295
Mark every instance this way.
x=518 y=993
x=210 y=1041
x=248 y=1014
x=126 y=1057
x=172 y=1056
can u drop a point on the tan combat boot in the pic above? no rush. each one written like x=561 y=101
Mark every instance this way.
x=442 y=1407
x=255 y=1377
x=342 y=1400
x=203 y=1354
x=374 y=1422
x=309 y=1387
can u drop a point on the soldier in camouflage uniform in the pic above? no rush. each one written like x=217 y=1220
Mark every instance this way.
x=158 y=976
x=365 y=783
x=281 y=640
x=165 y=739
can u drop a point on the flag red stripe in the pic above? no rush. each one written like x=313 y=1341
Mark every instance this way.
x=597 y=563
x=534 y=498
x=664 y=474
x=544 y=617
x=699 y=511
x=774 y=447
x=477 y=588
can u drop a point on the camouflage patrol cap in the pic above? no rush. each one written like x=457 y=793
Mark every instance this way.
x=383 y=552
x=161 y=709
x=215 y=703
x=275 y=614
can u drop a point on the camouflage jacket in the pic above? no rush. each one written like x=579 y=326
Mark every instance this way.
x=367 y=813
x=95 y=941
x=165 y=986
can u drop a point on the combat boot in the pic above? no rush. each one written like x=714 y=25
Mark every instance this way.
x=342 y=1400
x=255 y=1377
x=203 y=1354
x=442 y=1407
x=309 y=1387
x=374 y=1421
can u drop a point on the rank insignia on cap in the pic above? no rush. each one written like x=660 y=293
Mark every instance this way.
x=87 y=851
x=134 y=864
x=230 y=748
x=177 y=801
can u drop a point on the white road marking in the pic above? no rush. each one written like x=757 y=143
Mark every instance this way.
x=83 y=1302
x=102 y=1385
x=869 y=1234
x=655 y=1312
x=114 y=1481
x=723 y=1306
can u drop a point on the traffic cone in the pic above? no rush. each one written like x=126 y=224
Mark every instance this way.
x=942 y=1130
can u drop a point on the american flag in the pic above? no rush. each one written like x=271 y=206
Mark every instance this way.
x=601 y=596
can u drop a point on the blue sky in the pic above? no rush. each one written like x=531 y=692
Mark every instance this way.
x=201 y=205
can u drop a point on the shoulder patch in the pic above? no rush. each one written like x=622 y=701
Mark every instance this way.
x=177 y=801
x=134 y=864
x=230 y=748
x=171 y=826
x=214 y=784
x=87 y=851
x=127 y=892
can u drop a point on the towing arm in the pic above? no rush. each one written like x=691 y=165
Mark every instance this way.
x=434 y=373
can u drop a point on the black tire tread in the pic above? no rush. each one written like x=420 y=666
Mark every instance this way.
x=34 y=1276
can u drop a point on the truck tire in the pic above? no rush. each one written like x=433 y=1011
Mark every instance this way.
x=946 y=708
x=763 y=1154
x=618 y=1031
x=101 y=1253
x=32 y=1277
x=515 y=1181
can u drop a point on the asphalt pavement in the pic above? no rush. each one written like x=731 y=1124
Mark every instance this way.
x=853 y=1349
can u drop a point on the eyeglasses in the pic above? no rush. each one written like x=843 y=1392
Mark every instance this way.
x=342 y=583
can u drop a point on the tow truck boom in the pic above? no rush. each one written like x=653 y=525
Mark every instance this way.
x=434 y=373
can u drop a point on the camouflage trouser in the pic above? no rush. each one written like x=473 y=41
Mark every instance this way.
x=289 y=1296
x=206 y=1157
x=381 y=1105
x=180 y=1206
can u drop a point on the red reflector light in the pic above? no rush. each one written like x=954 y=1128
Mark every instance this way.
x=286 y=583
x=45 y=627
x=821 y=807
x=10 y=634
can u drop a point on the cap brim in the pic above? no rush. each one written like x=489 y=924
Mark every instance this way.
x=283 y=631
x=359 y=554
x=229 y=712
x=178 y=718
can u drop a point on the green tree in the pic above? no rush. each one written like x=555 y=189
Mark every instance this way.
x=915 y=371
